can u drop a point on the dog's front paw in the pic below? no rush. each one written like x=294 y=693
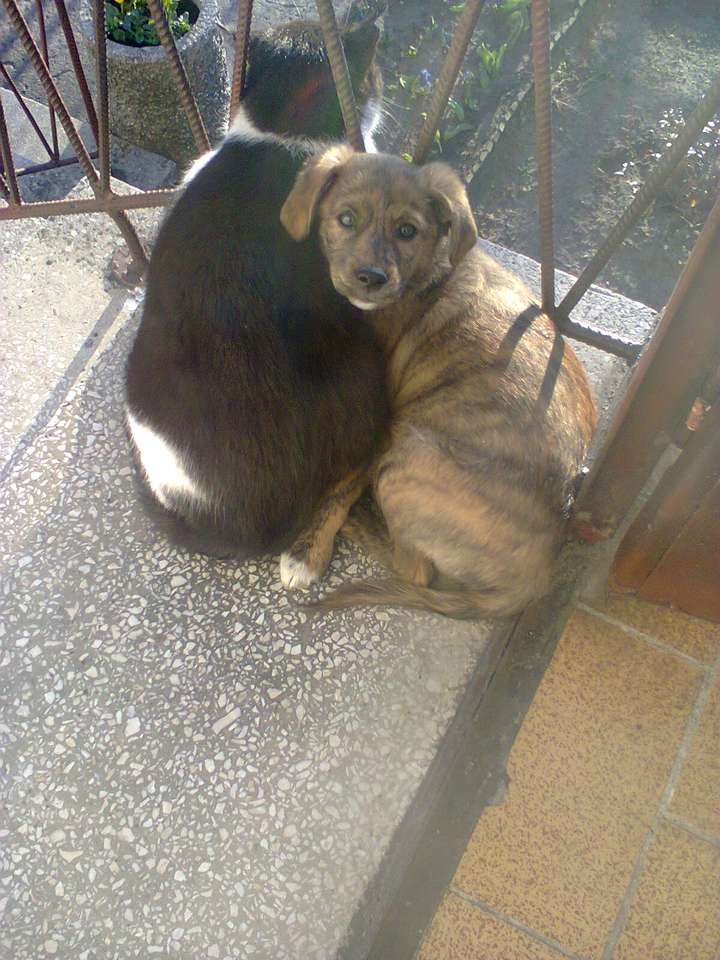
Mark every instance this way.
x=296 y=573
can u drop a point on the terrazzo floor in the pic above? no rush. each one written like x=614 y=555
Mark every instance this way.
x=189 y=767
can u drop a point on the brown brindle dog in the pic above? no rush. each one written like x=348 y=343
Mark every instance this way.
x=492 y=413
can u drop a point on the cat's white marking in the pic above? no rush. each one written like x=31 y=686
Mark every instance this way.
x=197 y=165
x=372 y=118
x=165 y=469
x=295 y=574
x=242 y=128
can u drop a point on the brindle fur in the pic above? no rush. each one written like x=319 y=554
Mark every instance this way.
x=492 y=412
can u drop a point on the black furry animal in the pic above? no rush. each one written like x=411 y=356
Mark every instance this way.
x=253 y=387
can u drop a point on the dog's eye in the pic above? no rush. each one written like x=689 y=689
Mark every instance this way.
x=406 y=231
x=347 y=219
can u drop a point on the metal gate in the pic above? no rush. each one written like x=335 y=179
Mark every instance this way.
x=665 y=384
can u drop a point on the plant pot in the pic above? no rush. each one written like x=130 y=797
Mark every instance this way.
x=144 y=102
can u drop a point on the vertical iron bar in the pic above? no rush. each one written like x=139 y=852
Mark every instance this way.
x=25 y=109
x=103 y=142
x=540 y=20
x=190 y=106
x=46 y=58
x=4 y=189
x=693 y=127
x=446 y=81
x=7 y=160
x=341 y=74
x=77 y=66
x=242 y=40
x=56 y=101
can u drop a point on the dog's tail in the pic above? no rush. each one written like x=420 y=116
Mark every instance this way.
x=365 y=527
x=458 y=604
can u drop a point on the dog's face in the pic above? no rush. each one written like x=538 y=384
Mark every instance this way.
x=386 y=227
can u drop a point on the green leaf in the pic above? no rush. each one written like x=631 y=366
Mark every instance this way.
x=451 y=132
x=456 y=109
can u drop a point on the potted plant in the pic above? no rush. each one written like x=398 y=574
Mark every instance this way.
x=145 y=106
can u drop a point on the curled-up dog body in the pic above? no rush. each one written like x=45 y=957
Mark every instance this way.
x=492 y=414
x=253 y=386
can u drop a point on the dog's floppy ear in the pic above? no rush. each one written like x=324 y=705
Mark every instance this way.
x=312 y=183
x=449 y=201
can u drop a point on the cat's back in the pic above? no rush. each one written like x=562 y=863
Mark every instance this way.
x=224 y=233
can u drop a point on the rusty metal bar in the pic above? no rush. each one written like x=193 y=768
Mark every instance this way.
x=46 y=58
x=670 y=374
x=25 y=109
x=55 y=100
x=540 y=20
x=4 y=189
x=195 y=120
x=341 y=74
x=77 y=66
x=110 y=203
x=52 y=165
x=242 y=41
x=446 y=81
x=13 y=191
x=705 y=111
x=103 y=141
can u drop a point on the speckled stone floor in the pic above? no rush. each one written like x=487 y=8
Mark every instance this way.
x=190 y=767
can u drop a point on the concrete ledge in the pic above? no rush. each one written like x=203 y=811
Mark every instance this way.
x=191 y=767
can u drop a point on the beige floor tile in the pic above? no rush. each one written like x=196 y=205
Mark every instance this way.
x=587 y=771
x=676 y=911
x=461 y=931
x=697 y=797
x=697 y=638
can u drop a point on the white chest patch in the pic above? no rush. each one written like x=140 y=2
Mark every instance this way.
x=166 y=471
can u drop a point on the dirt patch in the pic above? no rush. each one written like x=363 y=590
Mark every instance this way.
x=624 y=80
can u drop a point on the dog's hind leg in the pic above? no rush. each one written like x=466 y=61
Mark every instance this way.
x=308 y=558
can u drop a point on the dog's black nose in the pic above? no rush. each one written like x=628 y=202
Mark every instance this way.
x=372 y=276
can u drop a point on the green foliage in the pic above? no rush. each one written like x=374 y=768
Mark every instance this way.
x=490 y=64
x=130 y=22
x=518 y=19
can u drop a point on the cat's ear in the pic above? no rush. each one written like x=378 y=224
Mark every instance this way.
x=361 y=12
x=361 y=34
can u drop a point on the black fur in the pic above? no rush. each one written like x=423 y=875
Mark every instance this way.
x=284 y=95
x=247 y=360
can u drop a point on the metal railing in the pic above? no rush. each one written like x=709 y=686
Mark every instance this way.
x=419 y=138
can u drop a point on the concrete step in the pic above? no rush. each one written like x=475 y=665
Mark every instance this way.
x=56 y=295
x=132 y=165
x=192 y=767
x=57 y=299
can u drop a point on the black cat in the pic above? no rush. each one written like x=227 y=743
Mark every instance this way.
x=252 y=386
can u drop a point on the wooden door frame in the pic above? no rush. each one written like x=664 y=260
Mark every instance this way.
x=681 y=358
